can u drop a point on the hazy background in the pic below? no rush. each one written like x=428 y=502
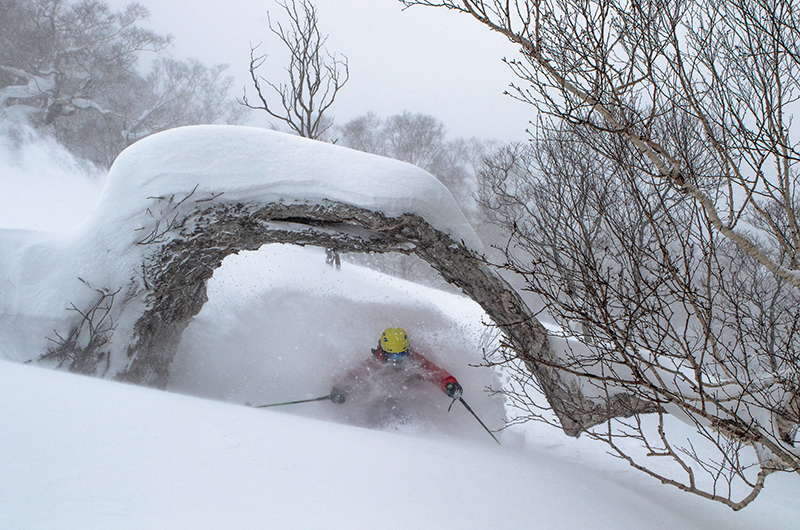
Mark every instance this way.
x=428 y=61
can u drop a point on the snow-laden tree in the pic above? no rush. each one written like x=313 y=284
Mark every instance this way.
x=72 y=67
x=655 y=215
x=113 y=298
x=58 y=58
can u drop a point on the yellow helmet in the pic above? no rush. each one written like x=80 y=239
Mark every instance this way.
x=394 y=340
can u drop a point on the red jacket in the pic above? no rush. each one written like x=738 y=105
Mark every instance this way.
x=413 y=366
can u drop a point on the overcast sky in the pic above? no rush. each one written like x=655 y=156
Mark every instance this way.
x=422 y=60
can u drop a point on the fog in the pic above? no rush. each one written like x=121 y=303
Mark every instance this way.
x=428 y=61
x=44 y=186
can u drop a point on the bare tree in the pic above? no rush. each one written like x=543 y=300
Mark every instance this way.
x=173 y=93
x=315 y=75
x=655 y=217
x=658 y=315
x=363 y=133
x=421 y=140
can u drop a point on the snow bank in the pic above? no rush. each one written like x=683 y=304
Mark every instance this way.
x=82 y=453
x=252 y=164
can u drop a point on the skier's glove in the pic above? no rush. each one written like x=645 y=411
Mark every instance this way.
x=338 y=396
x=453 y=390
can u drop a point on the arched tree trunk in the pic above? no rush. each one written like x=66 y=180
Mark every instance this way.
x=184 y=250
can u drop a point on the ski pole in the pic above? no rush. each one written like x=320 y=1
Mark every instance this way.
x=461 y=399
x=321 y=398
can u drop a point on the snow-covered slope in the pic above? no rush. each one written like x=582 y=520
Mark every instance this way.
x=81 y=453
x=89 y=454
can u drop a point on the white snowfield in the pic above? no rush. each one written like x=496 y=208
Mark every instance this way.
x=82 y=453
x=88 y=454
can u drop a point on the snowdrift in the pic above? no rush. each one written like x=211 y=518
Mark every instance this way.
x=82 y=453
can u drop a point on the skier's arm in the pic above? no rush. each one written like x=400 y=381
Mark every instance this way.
x=439 y=376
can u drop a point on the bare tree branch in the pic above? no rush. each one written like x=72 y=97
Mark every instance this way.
x=655 y=217
x=314 y=75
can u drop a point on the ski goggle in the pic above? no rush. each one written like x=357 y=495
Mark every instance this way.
x=395 y=357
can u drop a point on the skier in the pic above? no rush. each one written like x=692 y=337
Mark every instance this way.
x=389 y=376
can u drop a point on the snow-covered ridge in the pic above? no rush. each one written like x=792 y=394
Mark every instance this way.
x=253 y=164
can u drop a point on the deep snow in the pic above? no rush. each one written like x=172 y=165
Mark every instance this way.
x=282 y=325
x=77 y=452
x=81 y=453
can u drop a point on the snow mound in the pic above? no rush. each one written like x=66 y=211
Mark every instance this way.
x=252 y=164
